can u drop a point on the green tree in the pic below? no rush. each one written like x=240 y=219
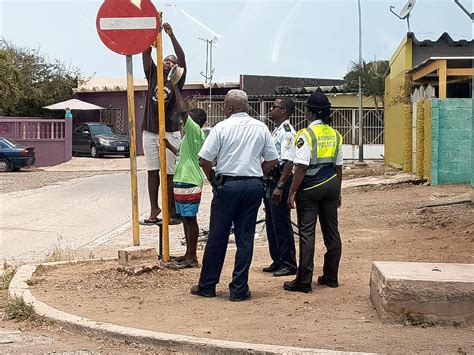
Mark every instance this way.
x=373 y=79
x=28 y=81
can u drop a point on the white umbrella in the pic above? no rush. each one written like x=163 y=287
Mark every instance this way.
x=74 y=104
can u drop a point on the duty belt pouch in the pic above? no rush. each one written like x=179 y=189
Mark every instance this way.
x=218 y=181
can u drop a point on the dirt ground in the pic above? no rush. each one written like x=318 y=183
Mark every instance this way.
x=377 y=224
x=38 y=336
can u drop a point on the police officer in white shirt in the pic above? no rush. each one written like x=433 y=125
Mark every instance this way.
x=277 y=214
x=240 y=143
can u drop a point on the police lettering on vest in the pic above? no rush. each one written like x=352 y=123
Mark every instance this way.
x=322 y=143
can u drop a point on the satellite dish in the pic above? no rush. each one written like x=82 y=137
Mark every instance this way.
x=215 y=41
x=405 y=13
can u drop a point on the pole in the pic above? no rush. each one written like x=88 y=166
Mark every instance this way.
x=162 y=130
x=133 y=153
x=361 y=135
x=210 y=72
x=207 y=59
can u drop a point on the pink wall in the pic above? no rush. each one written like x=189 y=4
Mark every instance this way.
x=52 y=139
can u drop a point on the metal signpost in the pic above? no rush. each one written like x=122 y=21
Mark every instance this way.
x=128 y=28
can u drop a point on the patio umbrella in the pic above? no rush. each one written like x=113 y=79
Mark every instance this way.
x=74 y=104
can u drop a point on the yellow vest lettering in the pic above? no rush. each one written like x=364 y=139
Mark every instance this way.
x=325 y=143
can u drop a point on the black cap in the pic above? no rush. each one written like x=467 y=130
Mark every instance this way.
x=318 y=100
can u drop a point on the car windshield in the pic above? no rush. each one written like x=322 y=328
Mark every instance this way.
x=104 y=129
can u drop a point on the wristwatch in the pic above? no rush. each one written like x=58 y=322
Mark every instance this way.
x=280 y=185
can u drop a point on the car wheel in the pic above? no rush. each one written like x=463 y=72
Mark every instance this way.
x=74 y=153
x=4 y=165
x=127 y=155
x=94 y=152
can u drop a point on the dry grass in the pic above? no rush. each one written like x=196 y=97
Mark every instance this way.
x=17 y=308
x=8 y=273
x=58 y=253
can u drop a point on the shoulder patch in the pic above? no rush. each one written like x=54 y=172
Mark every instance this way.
x=300 y=143
x=287 y=127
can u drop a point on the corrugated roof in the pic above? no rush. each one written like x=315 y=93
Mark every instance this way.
x=334 y=89
x=445 y=37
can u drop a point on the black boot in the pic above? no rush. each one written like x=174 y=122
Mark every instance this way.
x=296 y=286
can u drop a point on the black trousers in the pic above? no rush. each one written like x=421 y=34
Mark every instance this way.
x=236 y=202
x=281 y=241
x=320 y=201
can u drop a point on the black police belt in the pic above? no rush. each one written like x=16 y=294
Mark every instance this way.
x=236 y=178
x=218 y=180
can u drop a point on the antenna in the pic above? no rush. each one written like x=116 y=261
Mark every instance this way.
x=209 y=68
x=471 y=15
x=405 y=13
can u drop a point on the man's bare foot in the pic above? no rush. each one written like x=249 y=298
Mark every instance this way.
x=155 y=213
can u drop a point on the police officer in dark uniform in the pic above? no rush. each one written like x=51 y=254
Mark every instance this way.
x=316 y=189
x=277 y=184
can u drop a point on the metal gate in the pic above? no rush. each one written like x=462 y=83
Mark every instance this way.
x=114 y=116
x=345 y=120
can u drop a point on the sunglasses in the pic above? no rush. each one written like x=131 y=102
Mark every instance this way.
x=275 y=106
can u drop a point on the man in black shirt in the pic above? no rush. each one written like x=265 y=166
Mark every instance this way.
x=150 y=137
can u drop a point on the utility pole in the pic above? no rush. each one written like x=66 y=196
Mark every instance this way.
x=471 y=16
x=361 y=119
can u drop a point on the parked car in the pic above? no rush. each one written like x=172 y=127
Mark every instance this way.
x=99 y=139
x=14 y=156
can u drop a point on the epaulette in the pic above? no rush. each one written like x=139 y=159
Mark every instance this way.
x=287 y=127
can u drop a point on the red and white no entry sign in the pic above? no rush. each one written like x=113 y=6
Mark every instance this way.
x=128 y=26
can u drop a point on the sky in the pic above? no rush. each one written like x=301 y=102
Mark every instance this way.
x=301 y=38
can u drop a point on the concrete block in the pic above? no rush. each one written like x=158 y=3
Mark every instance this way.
x=137 y=255
x=423 y=292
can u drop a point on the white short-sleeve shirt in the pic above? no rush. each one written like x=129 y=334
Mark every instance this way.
x=239 y=143
x=284 y=138
x=303 y=149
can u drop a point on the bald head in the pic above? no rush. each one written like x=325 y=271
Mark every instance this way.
x=235 y=101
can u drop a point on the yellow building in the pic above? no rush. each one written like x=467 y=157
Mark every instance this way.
x=443 y=67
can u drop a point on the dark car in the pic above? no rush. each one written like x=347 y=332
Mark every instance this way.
x=99 y=139
x=14 y=156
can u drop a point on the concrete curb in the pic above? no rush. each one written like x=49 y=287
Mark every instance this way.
x=182 y=343
x=379 y=181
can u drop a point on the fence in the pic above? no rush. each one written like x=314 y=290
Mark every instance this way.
x=115 y=117
x=345 y=120
x=51 y=138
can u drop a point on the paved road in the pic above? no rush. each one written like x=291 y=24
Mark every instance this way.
x=67 y=215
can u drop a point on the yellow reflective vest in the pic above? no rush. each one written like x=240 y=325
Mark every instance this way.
x=325 y=143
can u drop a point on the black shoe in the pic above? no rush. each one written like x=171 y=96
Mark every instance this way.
x=272 y=268
x=195 y=290
x=295 y=286
x=284 y=271
x=322 y=281
x=243 y=298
